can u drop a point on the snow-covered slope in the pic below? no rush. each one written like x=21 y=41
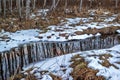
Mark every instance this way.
x=66 y=30
x=93 y=57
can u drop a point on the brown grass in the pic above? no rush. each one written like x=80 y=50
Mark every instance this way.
x=105 y=62
x=54 y=77
x=81 y=71
x=103 y=31
x=31 y=76
x=52 y=19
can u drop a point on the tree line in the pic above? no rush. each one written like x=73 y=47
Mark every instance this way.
x=23 y=8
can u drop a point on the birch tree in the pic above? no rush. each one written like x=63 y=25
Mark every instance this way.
x=65 y=5
x=91 y=1
x=81 y=1
x=19 y=8
x=44 y=3
x=11 y=3
x=53 y=5
x=57 y=3
x=4 y=3
x=8 y=3
x=27 y=8
x=22 y=4
x=116 y=3
x=0 y=6
x=34 y=4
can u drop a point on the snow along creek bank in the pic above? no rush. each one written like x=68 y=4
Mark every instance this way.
x=96 y=60
x=32 y=52
x=16 y=49
x=68 y=29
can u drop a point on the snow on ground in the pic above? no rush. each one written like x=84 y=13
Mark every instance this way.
x=61 y=32
x=53 y=65
x=56 y=65
x=9 y=40
x=110 y=73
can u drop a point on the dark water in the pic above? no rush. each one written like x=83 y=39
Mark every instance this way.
x=12 y=61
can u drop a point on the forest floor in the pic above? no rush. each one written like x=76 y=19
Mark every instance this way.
x=42 y=19
x=96 y=64
x=103 y=64
x=95 y=23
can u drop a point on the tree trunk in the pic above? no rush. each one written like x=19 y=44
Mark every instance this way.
x=4 y=3
x=53 y=5
x=91 y=3
x=34 y=4
x=11 y=6
x=27 y=9
x=0 y=7
x=57 y=3
x=116 y=4
x=80 y=5
x=44 y=3
x=19 y=8
x=65 y=5
x=8 y=3
x=22 y=4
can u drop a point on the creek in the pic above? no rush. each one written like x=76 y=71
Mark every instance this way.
x=14 y=60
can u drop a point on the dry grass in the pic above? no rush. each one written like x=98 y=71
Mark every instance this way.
x=105 y=58
x=27 y=75
x=55 y=77
x=52 y=19
x=105 y=62
x=103 y=31
x=81 y=71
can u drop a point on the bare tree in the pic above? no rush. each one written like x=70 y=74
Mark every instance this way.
x=91 y=1
x=22 y=4
x=4 y=3
x=27 y=8
x=116 y=3
x=11 y=3
x=65 y=5
x=44 y=3
x=81 y=1
x=53 y=5
x=57 y=3
x=19 y=8
x=34 y=4
x=0 y=6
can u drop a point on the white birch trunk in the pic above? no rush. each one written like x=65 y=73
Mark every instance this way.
x=22 y=2
x=17 y=4
x=57 y=3
x=11 y=6
x=0 y=7
x=4 y=3
x=54 y=1
x=34 y=4
x=27 y=9
x=116 y=3
x=19 y=8
x=91 y=3
x=44 y=3
x=65 y=5
x=53 y=5
x=80 y=5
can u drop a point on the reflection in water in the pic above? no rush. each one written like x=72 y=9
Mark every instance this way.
x=13 y=60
